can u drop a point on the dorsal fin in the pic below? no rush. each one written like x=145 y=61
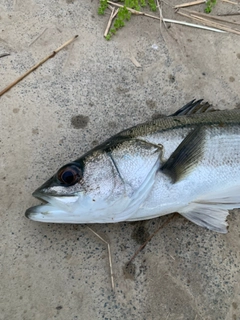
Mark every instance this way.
x=193 y=107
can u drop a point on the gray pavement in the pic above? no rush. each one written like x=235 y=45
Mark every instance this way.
x=86 y=93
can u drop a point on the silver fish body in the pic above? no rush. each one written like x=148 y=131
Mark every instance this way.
x=188 y=163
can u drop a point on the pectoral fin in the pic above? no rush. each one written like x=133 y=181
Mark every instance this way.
x=186 y=156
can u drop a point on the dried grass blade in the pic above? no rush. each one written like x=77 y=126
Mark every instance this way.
x=37 y=65
x=188 y=4
x=109 y=256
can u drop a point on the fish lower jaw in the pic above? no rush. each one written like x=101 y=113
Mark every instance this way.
x=43 y=213
x=50 y=215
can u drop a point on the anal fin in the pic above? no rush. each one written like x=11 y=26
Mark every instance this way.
x=212 y=209
x=211 y=217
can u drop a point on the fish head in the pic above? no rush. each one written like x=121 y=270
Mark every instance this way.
x=107 y=184
x=88 y=190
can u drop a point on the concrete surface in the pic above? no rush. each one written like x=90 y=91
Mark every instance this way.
x=76 y=100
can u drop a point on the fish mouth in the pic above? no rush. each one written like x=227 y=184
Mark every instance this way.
x=49 y=213
x=41 y=196
x=53 y=210
x=38 y=213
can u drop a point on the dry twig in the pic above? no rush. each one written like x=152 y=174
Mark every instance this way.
x=168 y=20
x=222 y=27
x=134 y=61
x=37 y=65
x=113 y=14
x=188 y=4
x=184 y=23
x=216 y=24
x=228 y=1
x=4 y=55
x=140 y=13
x=38 y=37
x=109 y=256
x=211 y=17
x=161 y=15
x=228 y=14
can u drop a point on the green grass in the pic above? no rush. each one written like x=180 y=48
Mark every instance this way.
x=124 y=14
x=209 y=5
x=102 y=6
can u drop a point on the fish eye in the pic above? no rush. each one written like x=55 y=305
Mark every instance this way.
x=69 y=175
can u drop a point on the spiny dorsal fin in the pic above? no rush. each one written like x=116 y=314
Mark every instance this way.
x=186 y=156
x=194 y=107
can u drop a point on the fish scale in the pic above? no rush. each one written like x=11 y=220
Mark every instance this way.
x=221 y=118
x=199 y=183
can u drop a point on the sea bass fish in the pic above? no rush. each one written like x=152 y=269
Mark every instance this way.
x=188 y=163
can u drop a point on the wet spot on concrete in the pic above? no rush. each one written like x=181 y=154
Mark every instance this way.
x=112 y=124
x=80 y=121
x=35 y=131
x=231 y=79
x=189 y=40
x=140 y=234
x=238 y=55
x=234 y=304
x=122 y=90
x=129 y=271
x=15 y=110
x=59 y=307
x=151 y=104
x=171 y=78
